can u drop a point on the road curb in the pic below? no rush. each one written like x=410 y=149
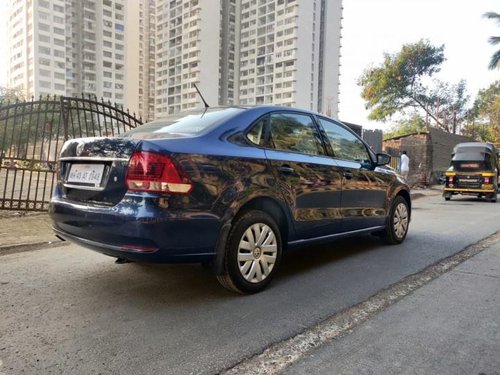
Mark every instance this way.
x=20 y=248
x=281 y=355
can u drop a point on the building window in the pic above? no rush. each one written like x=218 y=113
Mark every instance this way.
x=43 y=27
x=44 y=38
x=44 y=50
x=58 y=53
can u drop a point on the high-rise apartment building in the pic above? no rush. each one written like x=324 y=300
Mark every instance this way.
x=148 y=54
x=140 y=21
x=70 y=47
x=188 y=52
x=247 y=52
x=37 y=42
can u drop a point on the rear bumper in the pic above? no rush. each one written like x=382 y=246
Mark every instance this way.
x=138 y=230
x=468 y=191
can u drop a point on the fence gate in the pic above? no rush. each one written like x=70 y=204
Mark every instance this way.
x=32 y=134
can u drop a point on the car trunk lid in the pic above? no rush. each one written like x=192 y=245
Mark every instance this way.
x=93 y=170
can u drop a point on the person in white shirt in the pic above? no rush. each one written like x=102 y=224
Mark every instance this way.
x=404 y=166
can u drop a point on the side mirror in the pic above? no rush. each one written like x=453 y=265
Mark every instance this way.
x=383 y=159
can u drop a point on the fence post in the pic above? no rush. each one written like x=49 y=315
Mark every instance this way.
x=64 y=115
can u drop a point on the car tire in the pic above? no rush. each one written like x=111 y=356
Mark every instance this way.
x=493 y=197
x=253 y=253
x=447 y=196
x=398 y=221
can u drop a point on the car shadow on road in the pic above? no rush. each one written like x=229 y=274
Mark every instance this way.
x=299 y=260
x=162 y=285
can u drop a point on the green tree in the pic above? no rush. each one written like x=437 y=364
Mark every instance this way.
x=24 y=123
x=10 y=95
x=484 y=116
x=494 y=40
x=397 y=85
x=7 y=96
x=402 y=85
x=414 y=124
x=449 y=103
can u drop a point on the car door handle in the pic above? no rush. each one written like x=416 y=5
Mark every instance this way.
x=348 y=175
x=286 y=169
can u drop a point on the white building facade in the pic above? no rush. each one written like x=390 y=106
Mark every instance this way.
x=148 y=54
x=248 y=52
x=74 y=47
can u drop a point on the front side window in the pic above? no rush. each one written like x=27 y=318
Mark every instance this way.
x=296 y=133
x=345 y=145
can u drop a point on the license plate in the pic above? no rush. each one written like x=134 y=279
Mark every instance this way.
x=86 y=174
x=469 y=165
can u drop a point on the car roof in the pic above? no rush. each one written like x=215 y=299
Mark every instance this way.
x=474 y=146
x=247 y=115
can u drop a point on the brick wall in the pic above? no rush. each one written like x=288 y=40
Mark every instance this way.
x=418 y=149
x=442 y=147
x=429 y=154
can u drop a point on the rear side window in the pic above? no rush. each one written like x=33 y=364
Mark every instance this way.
x=295 y=132
x=256 y=134
x=190 y=123
x=345 y=145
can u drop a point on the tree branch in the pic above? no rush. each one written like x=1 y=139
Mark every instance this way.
x=421 y=105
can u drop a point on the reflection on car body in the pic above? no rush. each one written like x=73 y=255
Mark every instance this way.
x=228 y=187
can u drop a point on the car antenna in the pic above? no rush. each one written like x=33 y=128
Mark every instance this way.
x=201 y=96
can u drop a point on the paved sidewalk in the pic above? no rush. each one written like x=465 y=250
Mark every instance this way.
x=449 y=326
x=25 y=231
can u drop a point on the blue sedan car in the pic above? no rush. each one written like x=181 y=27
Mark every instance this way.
x=230 y=187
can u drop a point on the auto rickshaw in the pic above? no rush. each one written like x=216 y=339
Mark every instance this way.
x=473 y=171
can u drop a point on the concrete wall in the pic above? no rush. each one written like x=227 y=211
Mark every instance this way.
x=374 y=138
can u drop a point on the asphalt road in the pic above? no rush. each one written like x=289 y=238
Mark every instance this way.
x=70 y=310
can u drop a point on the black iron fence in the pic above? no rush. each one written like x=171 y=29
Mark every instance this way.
x=32 y=134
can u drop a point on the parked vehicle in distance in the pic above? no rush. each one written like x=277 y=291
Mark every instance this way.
x=473 y=171
x=230 y=187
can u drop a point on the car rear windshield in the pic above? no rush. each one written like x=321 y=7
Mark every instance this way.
x=471 y=161
x=185 y=123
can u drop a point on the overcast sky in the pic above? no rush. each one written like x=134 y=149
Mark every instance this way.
x=372 y=27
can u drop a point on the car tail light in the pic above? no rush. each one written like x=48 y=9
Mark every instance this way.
x=153 y=172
